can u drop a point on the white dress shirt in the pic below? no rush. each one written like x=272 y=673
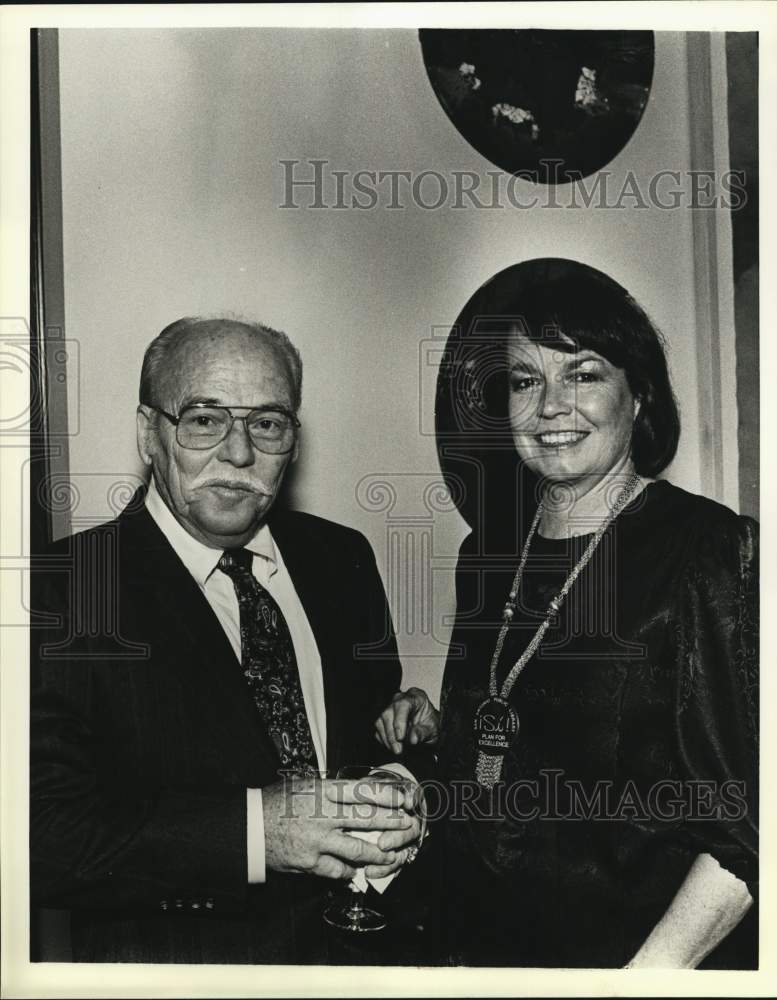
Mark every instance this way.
x=219 y=591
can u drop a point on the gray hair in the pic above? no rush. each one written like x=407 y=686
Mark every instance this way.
x=158 y=351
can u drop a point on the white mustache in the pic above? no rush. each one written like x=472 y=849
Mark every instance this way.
x=258 y=489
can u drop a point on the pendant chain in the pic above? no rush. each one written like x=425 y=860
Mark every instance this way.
x=555 y=605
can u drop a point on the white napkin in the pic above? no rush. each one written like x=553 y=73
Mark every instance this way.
x=360 y=882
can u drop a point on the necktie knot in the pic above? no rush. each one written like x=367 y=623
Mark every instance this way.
x=235 y=562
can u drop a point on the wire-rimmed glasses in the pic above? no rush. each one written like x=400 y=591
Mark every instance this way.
x=199 y=426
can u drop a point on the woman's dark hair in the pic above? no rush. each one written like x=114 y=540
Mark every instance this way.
x=551 y=300
x=584 y=306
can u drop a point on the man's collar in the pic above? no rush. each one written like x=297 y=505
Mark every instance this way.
x=201 y=560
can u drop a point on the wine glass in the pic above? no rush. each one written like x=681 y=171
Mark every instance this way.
x=350 y=914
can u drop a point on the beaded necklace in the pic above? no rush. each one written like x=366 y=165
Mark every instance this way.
x=496 y=721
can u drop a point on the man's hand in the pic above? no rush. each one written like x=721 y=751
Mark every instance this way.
x=396 y=842
x=306 y=822
x=410 y=717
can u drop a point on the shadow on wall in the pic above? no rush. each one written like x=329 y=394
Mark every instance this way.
x=742 y=70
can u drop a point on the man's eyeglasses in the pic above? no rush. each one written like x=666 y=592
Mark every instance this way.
x=200 y=426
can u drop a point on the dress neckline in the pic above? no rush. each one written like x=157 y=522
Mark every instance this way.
x=644 y=495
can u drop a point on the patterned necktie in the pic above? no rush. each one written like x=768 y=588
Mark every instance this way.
x=269 y=664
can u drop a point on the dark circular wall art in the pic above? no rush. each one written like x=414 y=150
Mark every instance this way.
x=526 y=97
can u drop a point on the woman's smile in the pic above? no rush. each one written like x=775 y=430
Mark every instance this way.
x=560 y=439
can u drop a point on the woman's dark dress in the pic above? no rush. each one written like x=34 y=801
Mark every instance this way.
x=638 y=723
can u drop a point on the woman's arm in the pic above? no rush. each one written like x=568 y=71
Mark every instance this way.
x=708 y=906
x=716 y=729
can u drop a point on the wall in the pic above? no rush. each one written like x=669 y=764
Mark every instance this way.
x=171 y=187
x=742 y=74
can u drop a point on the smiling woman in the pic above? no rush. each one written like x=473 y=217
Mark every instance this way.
x=589 y=401
x=604 y=651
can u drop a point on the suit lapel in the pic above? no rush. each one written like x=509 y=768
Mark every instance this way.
x=188 y=627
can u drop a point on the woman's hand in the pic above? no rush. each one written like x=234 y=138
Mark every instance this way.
x=411 y=718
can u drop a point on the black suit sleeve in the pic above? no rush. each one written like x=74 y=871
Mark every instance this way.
x=98 y=841
x=93 y=847
x=109 y=847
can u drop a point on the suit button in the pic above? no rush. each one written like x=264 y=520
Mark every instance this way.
x=209 y=904
x=162 y=904
x=179 y=904
x=195 y=906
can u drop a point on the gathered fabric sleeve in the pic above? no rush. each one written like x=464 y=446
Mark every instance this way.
x=716 y=696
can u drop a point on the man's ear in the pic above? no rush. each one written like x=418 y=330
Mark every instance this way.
x=295 y=453
x=146 y=432
x=637 y=406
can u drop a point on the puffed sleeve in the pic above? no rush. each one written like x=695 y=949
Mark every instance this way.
x=716 y=695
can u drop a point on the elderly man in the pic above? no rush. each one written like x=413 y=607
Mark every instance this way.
x=202 y=659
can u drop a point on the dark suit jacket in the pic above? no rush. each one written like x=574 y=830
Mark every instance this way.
x=144 y=739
